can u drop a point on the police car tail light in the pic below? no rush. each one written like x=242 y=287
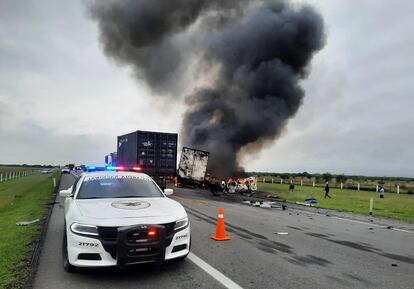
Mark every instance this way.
x=84 y=229
x=152 y=233
x=182 y=223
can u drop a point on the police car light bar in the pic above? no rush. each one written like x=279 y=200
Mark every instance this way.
x=94 y=169
x=119 y=168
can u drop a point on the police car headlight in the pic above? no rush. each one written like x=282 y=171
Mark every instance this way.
x=182 y=223
x=84 y=229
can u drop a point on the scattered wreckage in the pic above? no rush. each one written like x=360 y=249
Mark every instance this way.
x=231 y=185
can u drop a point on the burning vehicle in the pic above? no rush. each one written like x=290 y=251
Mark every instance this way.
x=240 y=185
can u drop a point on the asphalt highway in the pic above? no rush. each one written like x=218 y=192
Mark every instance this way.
x=318 y=251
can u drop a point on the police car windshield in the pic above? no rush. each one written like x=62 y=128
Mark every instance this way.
x=105 y=187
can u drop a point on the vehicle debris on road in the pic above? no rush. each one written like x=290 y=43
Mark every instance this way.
x=264 y=204
x=304 y=204
x=311 y=201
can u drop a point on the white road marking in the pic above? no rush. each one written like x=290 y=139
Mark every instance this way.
x=356 y=221
x=362 y=222
x=402 y=230
x=372 y=224
x=220 y=277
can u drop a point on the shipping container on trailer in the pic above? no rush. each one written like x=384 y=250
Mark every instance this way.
x=154 y=152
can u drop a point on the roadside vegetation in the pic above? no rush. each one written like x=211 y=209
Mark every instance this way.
x=393 y=206
x=22 y=199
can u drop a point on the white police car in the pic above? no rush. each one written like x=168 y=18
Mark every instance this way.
x=120 y=218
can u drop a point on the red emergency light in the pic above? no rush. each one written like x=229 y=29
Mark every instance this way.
x=152 y=233
x=119 y=168
x=136 y=168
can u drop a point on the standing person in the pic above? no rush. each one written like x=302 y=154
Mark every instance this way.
x=327 y=190
x=381 y=191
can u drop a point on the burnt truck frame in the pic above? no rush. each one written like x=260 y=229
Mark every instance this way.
x=192 y=167
x=154 y=152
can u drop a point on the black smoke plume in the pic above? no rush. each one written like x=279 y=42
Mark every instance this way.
x=243 y=61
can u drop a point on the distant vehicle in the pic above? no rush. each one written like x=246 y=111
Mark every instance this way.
x=111 y=159
x=154 y=152
x=70 y=166
x=65 y=170
x=121 y=218
x=192 y=167
x=45 y=171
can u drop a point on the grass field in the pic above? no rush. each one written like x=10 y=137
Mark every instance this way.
x=21 y=199
x=4 y=169
x=393 y=206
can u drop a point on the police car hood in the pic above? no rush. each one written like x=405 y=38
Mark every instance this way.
x=120 y=208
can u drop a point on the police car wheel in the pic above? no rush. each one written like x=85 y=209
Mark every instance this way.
x=66 y=265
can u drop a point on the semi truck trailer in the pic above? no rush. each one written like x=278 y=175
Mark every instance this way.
x=155 y=153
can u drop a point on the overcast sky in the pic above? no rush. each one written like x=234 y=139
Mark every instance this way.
x=62 y=100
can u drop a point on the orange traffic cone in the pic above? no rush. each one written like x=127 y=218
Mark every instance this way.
x=220 y=230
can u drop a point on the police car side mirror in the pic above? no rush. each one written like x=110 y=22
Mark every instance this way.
x=66 y=193
x=168 y=192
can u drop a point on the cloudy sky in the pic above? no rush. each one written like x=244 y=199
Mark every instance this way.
x=62 y=100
